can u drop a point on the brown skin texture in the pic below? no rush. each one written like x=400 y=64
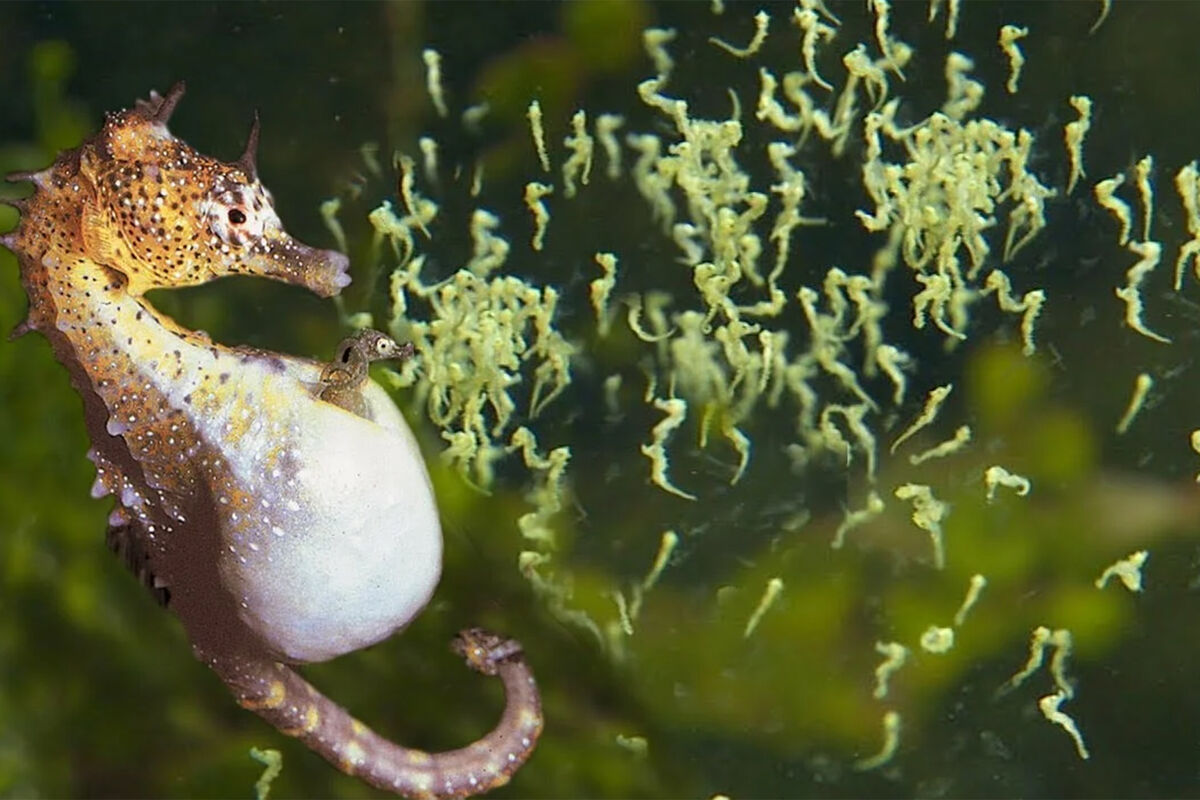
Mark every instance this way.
x=133 y=209
x=342 y=381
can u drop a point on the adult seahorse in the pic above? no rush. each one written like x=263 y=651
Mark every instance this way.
x=279 y=527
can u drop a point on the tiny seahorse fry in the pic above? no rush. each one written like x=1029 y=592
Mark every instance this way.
x=279 y=526
x=344 y=379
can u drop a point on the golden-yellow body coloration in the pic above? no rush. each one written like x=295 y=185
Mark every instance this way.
x=280 y=525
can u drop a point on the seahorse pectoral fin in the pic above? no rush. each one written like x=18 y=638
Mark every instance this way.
x=281 y=697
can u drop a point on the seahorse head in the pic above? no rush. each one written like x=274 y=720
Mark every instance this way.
x=163 y=214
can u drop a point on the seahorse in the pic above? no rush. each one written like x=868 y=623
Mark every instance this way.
x=278 y=527
x=342 y=382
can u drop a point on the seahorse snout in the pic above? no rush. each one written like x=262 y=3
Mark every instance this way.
x=338 y=273
x=324 y=272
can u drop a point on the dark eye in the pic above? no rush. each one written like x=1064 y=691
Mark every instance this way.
x=237 y=216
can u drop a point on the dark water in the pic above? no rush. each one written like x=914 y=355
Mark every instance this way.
x=99 y=694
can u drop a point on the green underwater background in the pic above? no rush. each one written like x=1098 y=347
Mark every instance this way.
x=100 y=695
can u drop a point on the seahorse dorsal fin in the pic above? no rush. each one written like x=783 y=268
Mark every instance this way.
x=158 y=108
x=247 y=162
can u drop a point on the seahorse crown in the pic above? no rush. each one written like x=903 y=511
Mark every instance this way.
x=160 y=214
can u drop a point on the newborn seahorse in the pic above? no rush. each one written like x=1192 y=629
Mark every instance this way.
x=343 y=381
x=280 y=528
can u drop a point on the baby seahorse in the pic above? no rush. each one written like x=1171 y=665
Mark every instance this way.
x=280 y=528
x=343 y=380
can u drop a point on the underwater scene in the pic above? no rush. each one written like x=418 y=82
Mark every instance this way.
x=810 y=388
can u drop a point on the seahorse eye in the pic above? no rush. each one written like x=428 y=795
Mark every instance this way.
x=237 y=216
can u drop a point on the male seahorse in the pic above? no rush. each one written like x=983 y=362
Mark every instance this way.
x=279 y=527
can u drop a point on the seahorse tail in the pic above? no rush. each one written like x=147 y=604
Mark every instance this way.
x=284 y=699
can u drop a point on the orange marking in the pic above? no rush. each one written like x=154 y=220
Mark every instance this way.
x=274 y=699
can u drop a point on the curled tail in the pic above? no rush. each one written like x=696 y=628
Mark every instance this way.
x=281 y=697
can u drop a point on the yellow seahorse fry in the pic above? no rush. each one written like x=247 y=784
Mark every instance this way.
x=761 y=21
x=601 y=288
x=579 y=163
x=854 y=519
x=490 y=251
x=933 y=404
x=634 y=744
x=882 y=11
x=634 y=318
x=655 y=41
x=473 y=116
x=476 y=179
x=370 y=156
x=770 y=594
x=665 y=548
x=429 y=157
x=1128 y=570
x=623 y=615
x=273 y=762
x=998 y=476
x=1042 y=638
x=961 y=438
x=891 y=742
x=1150 y=254
x=1141 y=388
x=676 y=411
x=1037 y=652
x=606 y=132
x=937 y=640
x=1106 y=196
x=534 y=192
x=413 y=203
x=928 y=513
x=433 y=80
x=892 y=361
x=1105 y=7
x=638 y=594
x=1142 y=171
x=952 y=11
x=1073 y=134
x=806 y=18
x=854 y=416
x=1049 y=706
x=978 y=583
x=329 y=212
x=894 y=655
x=539 y=134
x=1187 y=183
x=1009 y=34
x=1029 y=306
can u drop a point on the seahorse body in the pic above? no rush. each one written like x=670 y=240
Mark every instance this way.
x=277 y=526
